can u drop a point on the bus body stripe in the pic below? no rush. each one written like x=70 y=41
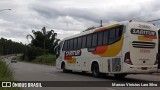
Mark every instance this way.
x=110 y=50
x=100 y=50
x=146 y=38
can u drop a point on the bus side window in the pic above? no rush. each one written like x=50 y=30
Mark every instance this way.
x=71 y=44
x=100 y=38
x=65 y=46
x=89 y=40
x=68 y=45
x=75 y=44
x=79 y=43
x=117 y=35
x=112 y=36
x=84 y=42
x=105 y=38
x=94 y=40
x=119 y=31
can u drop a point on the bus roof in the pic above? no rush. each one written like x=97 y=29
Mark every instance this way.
x=101 y=28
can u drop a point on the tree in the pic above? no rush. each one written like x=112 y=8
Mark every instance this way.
x=44 y=39
x=10 y=47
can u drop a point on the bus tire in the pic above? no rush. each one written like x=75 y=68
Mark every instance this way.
x=95 y=70
x=119 y=76
x=63 y=66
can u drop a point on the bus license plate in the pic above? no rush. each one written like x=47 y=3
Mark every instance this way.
x=144 y=68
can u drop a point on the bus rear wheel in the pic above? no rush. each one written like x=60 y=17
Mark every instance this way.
x=64 y=68
x=95 y=70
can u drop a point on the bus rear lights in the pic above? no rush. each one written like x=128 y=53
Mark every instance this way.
x=127 y=58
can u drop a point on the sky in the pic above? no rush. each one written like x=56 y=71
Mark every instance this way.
x=69 y=17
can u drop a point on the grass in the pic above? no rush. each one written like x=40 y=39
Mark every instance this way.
x=6 y=75
x=5 y=72
x=48 y=59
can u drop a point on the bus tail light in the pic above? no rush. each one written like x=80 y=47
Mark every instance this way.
x=127 y=58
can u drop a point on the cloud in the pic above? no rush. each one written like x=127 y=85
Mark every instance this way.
x=115 y=12
x=68 y=17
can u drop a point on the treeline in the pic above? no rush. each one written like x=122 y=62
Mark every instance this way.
x=10 y=47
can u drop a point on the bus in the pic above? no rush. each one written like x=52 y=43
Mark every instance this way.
x=128 y=47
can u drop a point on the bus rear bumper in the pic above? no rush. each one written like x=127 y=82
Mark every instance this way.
x=141 y=70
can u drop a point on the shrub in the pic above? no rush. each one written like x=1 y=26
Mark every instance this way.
x=46 y=59
x=33 y=52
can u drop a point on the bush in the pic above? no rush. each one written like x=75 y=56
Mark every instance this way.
x=46 y=59
x=33 y=52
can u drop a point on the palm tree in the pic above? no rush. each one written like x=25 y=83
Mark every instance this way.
x=44 y=39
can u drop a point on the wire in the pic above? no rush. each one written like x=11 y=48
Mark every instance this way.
x=153 y=20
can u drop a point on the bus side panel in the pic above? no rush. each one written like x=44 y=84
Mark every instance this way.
x=84 y=59
x=85 y=64
x=100 y=64
x=124 y=50
x=70 y=66
x=78 y=64
x=58 y=63
x=105 y=62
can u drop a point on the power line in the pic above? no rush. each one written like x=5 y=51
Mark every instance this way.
x=153 y=20
x=5 y=9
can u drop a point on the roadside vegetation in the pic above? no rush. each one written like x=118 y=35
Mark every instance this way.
x=41 y=47
x=48 y=59
x=6 y=74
